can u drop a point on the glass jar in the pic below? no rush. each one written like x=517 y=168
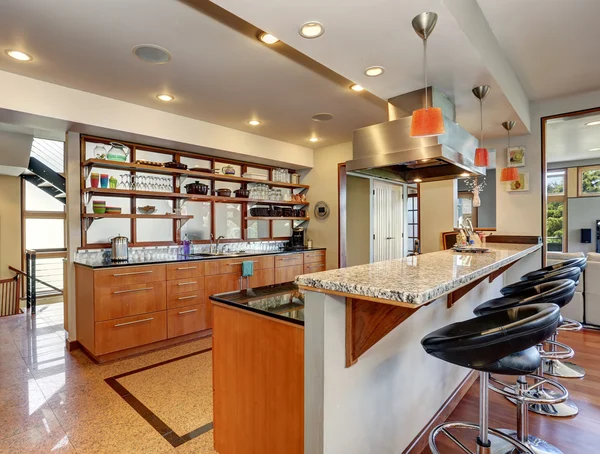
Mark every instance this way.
x=118 y=152
x=100 y=152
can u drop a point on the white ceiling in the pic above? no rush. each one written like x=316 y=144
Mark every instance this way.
x=361 y=33
x=569 y=139
x=551 y=44
x=218 y=74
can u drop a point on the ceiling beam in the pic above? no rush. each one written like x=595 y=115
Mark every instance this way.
x=476 y=28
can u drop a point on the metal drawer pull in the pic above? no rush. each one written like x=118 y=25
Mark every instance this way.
x=133 y=290
x=188 y=283
x=320 y=265
x=316 y=255
x=289 y=258
x=187 y=268
x=187 y=297
x=239 y=263
x=187 y=312
x=137 y=321
x=131 y=274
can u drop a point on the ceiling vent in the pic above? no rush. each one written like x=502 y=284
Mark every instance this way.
x=152 y=54
x=322 y=117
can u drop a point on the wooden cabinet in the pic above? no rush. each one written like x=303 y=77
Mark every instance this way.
x=288 y=273
x=126 y=300
x=186 y=320
x=129 y=332
x=129 y=307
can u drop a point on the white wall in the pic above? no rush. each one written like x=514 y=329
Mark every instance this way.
x=10 y=223
x=437 y=207
x=323 y=181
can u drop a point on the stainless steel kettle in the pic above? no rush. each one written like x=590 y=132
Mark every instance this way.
x=119 y=248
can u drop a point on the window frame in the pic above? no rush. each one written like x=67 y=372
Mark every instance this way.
x=561 y=198
x=580 y=171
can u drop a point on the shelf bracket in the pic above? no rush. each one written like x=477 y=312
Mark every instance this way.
x=88 y=223
x=179 y=180
x=86 y=171
x=87 y=198
x=181 y=223
x=181 y=202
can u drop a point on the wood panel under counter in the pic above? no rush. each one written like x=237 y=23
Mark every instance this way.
x=258 y=371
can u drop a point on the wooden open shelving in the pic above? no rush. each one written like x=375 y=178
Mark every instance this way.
x=108 y=192
x=275 y=218
x=129 y=166
x=137 y=216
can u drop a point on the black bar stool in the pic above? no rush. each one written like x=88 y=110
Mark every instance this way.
x=555 y=367
x=500 y=343
x=556 y=292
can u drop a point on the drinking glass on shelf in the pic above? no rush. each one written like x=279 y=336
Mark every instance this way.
x=122 y=184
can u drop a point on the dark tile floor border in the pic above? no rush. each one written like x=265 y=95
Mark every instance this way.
x=158 y=424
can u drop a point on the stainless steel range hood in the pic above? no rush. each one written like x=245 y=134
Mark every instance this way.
x=386 y=150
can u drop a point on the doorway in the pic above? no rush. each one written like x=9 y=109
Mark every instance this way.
x=388 y=221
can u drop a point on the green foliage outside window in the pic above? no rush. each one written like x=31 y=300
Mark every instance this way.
x=590 y=181
x=554 y=222
x=556 y=186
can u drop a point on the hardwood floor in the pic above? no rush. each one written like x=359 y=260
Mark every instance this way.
x=580 y=434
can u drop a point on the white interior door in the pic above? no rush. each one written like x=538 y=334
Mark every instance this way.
x=387 y=221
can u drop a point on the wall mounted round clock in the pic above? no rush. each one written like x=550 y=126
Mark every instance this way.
x=321 y=210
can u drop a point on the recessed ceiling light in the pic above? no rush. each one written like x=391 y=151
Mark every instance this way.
x=417 y=180
x=151 y=53
x=324 y=116
x=165 y=97
x=464 y=174
x=374 y=71
x=267 y=38
x=311 y=30
x=254 y=122
x=314 y=139
x=594 y=149
x=357 y=87
x=18 y=55
x=593 y=123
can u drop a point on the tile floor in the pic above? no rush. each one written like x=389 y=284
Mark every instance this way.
x=55 y=401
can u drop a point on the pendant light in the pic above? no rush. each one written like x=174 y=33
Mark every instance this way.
x=482 y=156
x=426 y=122
x=509 y=173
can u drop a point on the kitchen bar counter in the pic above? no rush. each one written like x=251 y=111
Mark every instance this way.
x=369 y=386
x=100 y=261
x=419 y=279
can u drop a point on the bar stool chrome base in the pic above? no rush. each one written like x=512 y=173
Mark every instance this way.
x=537 y=445
x=542 y=395
x=560 y=369
x=500 y=442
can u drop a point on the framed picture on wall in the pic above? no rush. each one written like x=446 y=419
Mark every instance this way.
x=515 y=156
x=521 y=185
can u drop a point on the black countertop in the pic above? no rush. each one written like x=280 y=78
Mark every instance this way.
x=105 y=262
x=282 y=301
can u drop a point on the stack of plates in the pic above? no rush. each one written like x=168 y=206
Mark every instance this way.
x=99 y=206
x=256 y=176
x=113 y=210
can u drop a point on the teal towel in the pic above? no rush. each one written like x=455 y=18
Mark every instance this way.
x=247 y=269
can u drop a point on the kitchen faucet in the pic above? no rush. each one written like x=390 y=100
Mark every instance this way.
x=218 y=240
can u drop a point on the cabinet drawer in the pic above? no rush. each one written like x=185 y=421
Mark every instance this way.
x=180 y=286
x=186 y=320
x=184 y=270
x=260 y=278
x=128 y=332
x=289 y=260
x=288 y=273
x=234 y=266
x=312 y=257
x=314 y=267
x=185 y=299
x=129 y=275
x=127 y=300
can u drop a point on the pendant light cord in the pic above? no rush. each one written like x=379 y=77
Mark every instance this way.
x=481 y=124
x=425 y=68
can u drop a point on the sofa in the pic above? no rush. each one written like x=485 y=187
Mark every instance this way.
x=592 y=289
x=577 y=309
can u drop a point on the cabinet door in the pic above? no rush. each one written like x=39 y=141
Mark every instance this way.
x=220 y=283
x=288 y=273
x=261 y=278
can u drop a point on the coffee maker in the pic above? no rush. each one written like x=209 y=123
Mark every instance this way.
x=298 y=237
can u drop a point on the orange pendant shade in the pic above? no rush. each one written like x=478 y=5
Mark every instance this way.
x=427 y=122
x=482 y=157
x=509 y=174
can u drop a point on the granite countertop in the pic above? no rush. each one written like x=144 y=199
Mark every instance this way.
x=282 y=301
x=100 y=261
x=419 y=279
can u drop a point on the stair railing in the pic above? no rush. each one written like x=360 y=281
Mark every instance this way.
x=10 y=295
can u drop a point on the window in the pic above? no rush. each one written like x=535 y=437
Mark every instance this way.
x=465 y=208
x=589 y=181
x=555 y=182
x=412 y=215
x=555 y=213
x=44 y=219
